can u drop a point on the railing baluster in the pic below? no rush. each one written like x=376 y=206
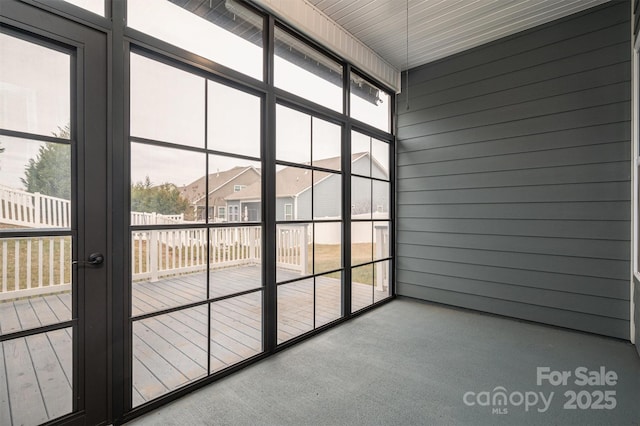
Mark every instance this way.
x=51 y=261
x=29 y=263
x=16 y=265
x=40 y=261
x=5 y=254
x=62 y=281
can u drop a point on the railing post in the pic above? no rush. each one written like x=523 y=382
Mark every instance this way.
x=252 y=244
x=380 y=231
x=153 y=253
x=304 y=255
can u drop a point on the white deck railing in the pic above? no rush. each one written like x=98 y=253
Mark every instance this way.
x=142 y=218
x=34 y=266
x=41 y=265
x=293 y=247
x=33 y=210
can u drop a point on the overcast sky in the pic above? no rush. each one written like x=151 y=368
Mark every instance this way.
x=167 y=104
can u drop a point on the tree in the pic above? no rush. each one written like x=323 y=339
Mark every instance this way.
x=163 y=199
x=50 y=172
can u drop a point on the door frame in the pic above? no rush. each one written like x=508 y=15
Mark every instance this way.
x=89 y=121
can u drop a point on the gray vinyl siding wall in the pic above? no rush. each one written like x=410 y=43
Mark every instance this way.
x=514 y=176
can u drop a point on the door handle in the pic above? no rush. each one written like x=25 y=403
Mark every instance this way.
x=94 y=259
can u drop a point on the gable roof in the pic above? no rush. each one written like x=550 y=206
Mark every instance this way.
x=292 y=181
x=195 y=191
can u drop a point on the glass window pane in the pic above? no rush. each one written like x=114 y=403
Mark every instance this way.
x=304 y=71
x=95 y=6
x=40 y=378
x=235 y=191
x=360 y=151
x=160 y=182
x=236 y=330
x=35 y=184
x=381 y=274
x=294 y=251
x=234 y=260
x=326 y=144
x=167 y=104
x=293 y=135
x=361 y=235
x=360 y=198
x=233 y=120
x=361 y=287
x=223 y=31
x=381 y=240
x=380 y=159
x=328 y=298
x=36 y=282
x=381 y=192
x=327 y=247
x=35 y=98
x=169 y=268
x=293 y=194
x=295 y=309
x=327 y=195
x=370 y=104
x=169 y=351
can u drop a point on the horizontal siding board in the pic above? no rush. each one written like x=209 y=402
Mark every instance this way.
x=590 y=267
x=559 y=317
x=603 y=287
x=548 y=34
x=507 y=107
x=567 y=66
x=592 y=154
x=584 y=173
x=611 y=210
x=470 y=98
x=613 y=308
x=610 y=191
x=601 y=114
x=589 y=229
x=584 y=136
x=513 y=178
x=618 y=33
x=613 y=250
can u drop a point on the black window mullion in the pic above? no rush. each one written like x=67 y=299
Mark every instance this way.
x=269 y=311
x=346 y=198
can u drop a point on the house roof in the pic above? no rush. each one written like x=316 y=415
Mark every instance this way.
x=196 y=190
x=292 y=181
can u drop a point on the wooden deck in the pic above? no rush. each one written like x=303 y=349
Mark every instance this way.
x=169 y=350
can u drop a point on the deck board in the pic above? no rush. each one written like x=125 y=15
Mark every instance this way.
x=169 y=350
x=5 y=412
x=54 y=384
x=25 y=395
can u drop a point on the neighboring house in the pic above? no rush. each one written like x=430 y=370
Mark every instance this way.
x=221 y=185
x=294 y=195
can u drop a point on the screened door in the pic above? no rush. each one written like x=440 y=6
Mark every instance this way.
x=52 y=219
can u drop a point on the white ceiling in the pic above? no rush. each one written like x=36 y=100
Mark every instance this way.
x=439 y=28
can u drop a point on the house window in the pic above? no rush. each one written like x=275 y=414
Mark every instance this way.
x=233 y=214
x=238 y=188
x=222 y=213
x=288 y=212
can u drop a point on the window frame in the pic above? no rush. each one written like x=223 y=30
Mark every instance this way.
x=289 y=215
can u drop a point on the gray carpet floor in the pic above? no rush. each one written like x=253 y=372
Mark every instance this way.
x=415 y=363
